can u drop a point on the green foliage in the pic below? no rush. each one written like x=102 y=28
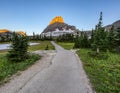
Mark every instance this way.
x=77 y=42
x=100 y=56
x=82 y=41
x=65 y=38
x=99 y=40
x=19 y=47
x=111 y=40
x=102 y=40
x=7 y=68
x=104 y=74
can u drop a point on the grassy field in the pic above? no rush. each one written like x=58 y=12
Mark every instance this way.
x=104 y=74
x=7 y=68
x=41 y=46
x=66 y=45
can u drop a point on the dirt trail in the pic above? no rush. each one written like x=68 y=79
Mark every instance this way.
x=58 y=71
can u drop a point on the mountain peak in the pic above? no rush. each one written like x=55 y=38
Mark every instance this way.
x=57 y=19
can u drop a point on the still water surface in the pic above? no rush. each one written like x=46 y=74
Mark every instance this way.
x=7 y=46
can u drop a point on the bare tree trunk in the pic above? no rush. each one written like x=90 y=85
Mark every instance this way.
x=98 y=50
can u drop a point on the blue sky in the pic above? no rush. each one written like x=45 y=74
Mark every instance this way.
x=34 y=15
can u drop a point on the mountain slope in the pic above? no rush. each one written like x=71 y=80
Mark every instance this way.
x=58 y=25
x=115 y=24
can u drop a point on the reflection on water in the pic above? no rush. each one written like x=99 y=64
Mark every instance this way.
x=7 y=46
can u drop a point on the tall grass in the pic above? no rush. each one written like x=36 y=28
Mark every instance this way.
x=7 y=68
x=103 y=73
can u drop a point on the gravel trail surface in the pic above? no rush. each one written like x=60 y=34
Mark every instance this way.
x=58 y=71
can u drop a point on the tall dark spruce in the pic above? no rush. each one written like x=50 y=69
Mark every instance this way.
x=99 y=37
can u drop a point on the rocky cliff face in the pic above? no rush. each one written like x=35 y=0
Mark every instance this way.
x=58 y=23
x=115 y=24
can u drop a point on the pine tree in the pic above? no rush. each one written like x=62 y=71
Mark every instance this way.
x=85 y=41
x=19 y=48
x=76 y=42
x=100 y=40
x=111 y=39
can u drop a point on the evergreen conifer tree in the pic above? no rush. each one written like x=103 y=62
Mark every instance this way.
x=76 y=42
x=111 y=39
x=100 y=40
x=19 y=47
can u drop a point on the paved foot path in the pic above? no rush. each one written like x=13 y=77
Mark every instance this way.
x=64 y=74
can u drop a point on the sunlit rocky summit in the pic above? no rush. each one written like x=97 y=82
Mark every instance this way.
x=6 y=34
x=57 y=27
x=57 y=19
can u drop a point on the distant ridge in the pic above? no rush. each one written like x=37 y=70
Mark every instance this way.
x=6 y=31
x=116 y=25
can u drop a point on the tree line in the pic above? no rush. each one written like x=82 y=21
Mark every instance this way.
x=6 y=37
x=100 y=40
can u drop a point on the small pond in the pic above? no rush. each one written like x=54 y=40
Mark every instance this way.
x=7 y=46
